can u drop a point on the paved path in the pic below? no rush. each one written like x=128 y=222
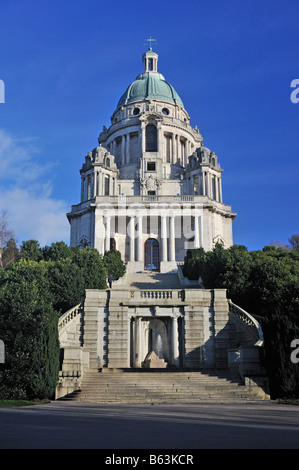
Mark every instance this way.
x=64 y=425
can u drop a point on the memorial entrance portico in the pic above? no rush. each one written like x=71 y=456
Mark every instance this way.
x=159 y=334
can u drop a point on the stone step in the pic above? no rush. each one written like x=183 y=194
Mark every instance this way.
x=120 y=386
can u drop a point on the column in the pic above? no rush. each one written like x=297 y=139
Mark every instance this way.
x=175 y=342
x=95 y=180
x=139 y=143
x=203 y=183
x=220 y=190
x=98 y=183
x=174 y=149
x=137 y=358
x=160 y=139
x=102 y=184
x=188 y=149
x=179 y=153
x=123 y=140
x=140 y=250
x=128 y=148
x=208 y=184
x=99 y=233
x=171 y=238
x=107 y=234
x=131 y=239
x=216 y=188
x=164 y=238
x=143 y=137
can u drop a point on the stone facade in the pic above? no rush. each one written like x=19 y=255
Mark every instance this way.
x=151 y=179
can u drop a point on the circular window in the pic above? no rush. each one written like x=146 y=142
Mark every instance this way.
x=136 y=111
x=165 y=111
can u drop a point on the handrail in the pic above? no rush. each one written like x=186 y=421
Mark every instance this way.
x=249 y=320
x=70 y=315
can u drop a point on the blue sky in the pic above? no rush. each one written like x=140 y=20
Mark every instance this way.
x=65 y=65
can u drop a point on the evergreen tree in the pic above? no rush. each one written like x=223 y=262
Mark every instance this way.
x=114 y=264
x=34 y=292
x=266 y=283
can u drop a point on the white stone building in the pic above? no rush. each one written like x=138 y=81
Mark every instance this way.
x=151 y=189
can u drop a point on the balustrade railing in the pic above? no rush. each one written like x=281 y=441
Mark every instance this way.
x=156 y=294
x=69 y=316
x=249 y=321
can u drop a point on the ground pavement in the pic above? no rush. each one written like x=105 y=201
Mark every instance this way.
x=67 y=425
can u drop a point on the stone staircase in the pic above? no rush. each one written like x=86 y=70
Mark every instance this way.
x=167 y=386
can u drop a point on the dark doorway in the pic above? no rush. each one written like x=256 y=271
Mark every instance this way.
x=151 y=255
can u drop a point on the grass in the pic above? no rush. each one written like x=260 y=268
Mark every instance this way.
x=15 y=403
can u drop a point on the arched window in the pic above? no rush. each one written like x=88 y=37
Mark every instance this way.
x=151 y=255
x=151 y=138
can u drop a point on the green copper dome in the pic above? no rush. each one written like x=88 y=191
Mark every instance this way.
x=150 y=86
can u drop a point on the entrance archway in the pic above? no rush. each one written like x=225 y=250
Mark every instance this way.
x=151 y=255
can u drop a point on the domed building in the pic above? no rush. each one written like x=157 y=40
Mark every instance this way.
x=151 y=189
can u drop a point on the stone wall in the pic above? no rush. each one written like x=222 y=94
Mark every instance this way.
x=121 y=326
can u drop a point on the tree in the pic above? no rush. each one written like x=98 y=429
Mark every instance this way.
x=28 y=327
x=56 y=251
x=5 y=234
x=33 y=294
x=10 y=253
x=31 y=250
x=114 y=264
x=294 y=242
x=264 y=282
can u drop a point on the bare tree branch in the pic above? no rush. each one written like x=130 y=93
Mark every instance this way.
x=5 y=234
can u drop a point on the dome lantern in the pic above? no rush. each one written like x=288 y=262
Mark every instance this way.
x=150 y=61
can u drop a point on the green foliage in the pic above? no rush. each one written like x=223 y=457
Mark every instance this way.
x=266 y=283
x=34 y=292
x=93 y=267
x=31 y=250
x=114 y=264
x=10 y=253
x=28 y=327
x=57 y=251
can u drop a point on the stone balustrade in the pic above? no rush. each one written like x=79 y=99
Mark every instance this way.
x=155 y=295
x=69 y=316
x=249 y=321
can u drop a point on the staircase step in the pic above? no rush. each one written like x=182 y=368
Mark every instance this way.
x=123 y=386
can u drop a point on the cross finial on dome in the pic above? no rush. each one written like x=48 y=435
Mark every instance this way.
x=150 y=40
